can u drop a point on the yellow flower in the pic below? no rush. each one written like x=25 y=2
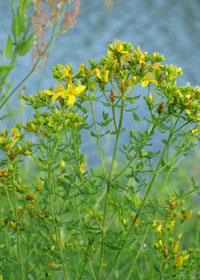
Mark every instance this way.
x=141 y=59
x=71 y=92
x=15 y=137
x=148 y=79
x=175 y=248
x=149 y=98
x=62 y=165
x=68 y=93
x=96 y=73
x=140 y=55
x=65 y=72
x=106 y=76
x=15 y=133
x=40 y=186
x=56 y=94
x=178 y=262
x=52 y=265
x=121 y=48
x=188 y=214
x=159 y=229
x=131 y=81
x=83 y=164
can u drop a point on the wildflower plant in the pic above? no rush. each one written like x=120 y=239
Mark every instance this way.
x=75 y=221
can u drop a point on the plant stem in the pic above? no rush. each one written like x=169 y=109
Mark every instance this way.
x=29 y=74
x=57 y=231
x=123 y=242
x=18 y=239
x=98 y=140
x=104 y=229
x=77 y=207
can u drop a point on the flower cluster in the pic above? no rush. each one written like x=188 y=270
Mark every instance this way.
x=167 y=246
x=123 y=69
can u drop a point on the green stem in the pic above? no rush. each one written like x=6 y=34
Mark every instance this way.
x=77 y=156
x=29 y=74
x=98 y=140
x=172 y=165
x=104 y=229
x=20 y=260
x=123 y=242
x=57 y=231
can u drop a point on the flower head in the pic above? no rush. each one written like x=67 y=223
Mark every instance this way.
x=56 y=94
x=178 y=262
x=148 y=79
x=71 y=92
x=120 y=48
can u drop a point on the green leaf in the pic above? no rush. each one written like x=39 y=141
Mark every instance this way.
x=4 y=69
x=21 y=20
x=93 y=134
x=194 y=185
x=92 y=63
x=105 y=116
x=9 y=47
x=136 y=118
x=25 y=4
x=15 y=26
x=106 y=104
x=25 y=47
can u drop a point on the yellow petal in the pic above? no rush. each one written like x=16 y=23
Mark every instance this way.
x=71 y=100
x=97 y=73
x=79 y=89
x=65 y=72
x=56 y=96
x=144 y=83
x=15 y=132
x=58 y=87
x=119 y=46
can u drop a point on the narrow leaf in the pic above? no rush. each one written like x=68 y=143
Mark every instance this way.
x=25 y=47
x=21 y=20
x=9 y=47
x=15 y=26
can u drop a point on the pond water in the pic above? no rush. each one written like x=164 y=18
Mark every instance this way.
x=171 y=27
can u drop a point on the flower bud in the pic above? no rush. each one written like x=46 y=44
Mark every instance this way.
x=31 y=99
x=188 y=214
x=25 y=97
x=106 y=76
x=19 y=149
x=122 y=85
x=178 y=262
x=96 y=73
x=119 y=46
x=40 y=186
x=175 y=248
x=33 y=127
x=131 y=81
x=149 y=99
x=27 y=153
x=62 y=165
x=112 y=98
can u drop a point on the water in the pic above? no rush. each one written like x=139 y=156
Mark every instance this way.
x=171 y=27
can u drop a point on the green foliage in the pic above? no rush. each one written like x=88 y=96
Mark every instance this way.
x=67 y=220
